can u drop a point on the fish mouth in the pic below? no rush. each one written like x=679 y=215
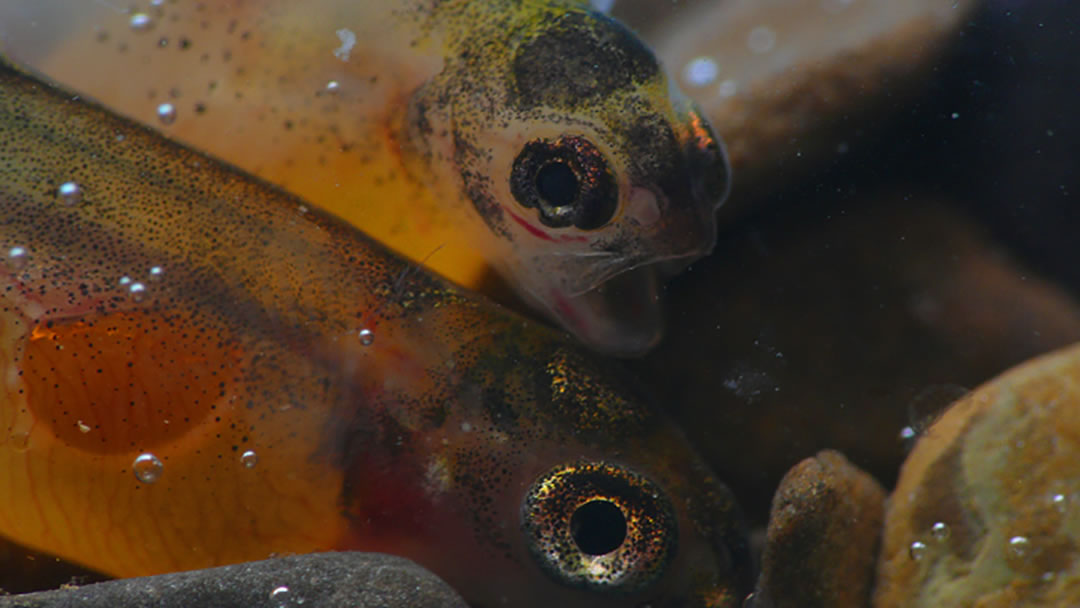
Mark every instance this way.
x=622 y=316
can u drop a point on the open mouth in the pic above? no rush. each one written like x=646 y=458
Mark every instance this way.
x=621 y=317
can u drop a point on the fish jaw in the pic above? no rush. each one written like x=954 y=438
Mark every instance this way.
x=622 y=317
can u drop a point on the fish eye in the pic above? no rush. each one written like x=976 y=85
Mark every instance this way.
x=568 y=180
x=599 y=526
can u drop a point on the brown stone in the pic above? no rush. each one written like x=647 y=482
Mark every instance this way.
x=823 y=536
x=1001 y=471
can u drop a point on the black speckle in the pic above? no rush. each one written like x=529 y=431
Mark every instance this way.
x=579 y=57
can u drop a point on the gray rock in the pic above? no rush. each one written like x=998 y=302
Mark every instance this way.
x=359 y=580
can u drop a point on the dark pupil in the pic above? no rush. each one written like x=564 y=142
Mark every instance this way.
x=598 y=527
x=567 y=181
x=557 y=183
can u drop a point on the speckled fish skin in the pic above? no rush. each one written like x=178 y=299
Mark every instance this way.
x=462 y=108
x=172 y=307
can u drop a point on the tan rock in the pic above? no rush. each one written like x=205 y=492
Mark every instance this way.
x=1001 y=471
x=823 y=536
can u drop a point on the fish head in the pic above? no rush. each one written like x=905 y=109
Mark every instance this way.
x=547 y=483
x=596 y=175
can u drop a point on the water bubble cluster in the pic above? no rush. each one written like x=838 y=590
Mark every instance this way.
x=147 y=468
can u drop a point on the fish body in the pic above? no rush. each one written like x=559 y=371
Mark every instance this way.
x=199 y=369
x=537 y=138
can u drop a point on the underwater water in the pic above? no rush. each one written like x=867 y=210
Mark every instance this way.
x=900 y=230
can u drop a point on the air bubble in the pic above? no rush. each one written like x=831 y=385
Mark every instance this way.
x=155 y=273
x=16 y=257
x=1060 y=502
x=1018 y=546
x=917 y=550
x=940 y=531
x=137 y=291
x=333 y=86
x=147 y=468
x=140 y=22
x=280 y=596
x=701 y=71
x=249 y=459
x=70 y=193
x=367 y=337
x=166 y=113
